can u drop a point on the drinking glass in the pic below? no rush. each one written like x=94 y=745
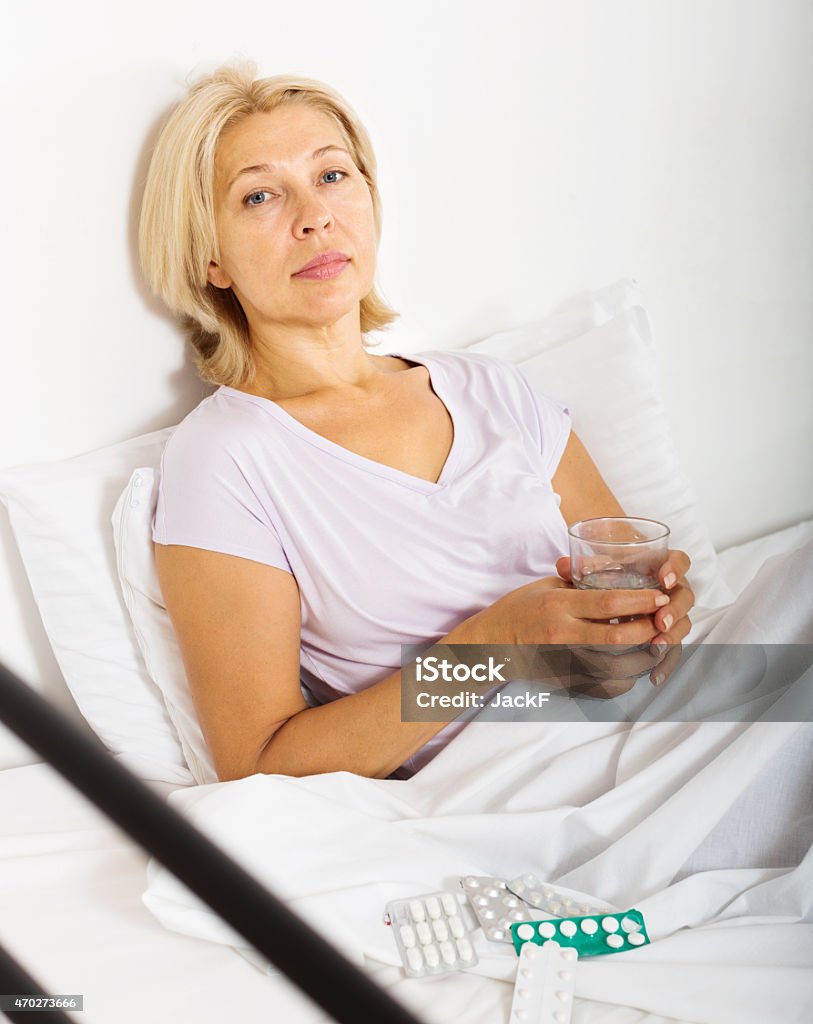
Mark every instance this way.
x=618 y=553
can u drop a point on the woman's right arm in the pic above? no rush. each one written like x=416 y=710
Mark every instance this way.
x=238 y=628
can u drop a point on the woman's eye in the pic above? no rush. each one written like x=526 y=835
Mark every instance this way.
x=264 y=192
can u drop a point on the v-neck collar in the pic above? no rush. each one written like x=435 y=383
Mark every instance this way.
x=398 y=476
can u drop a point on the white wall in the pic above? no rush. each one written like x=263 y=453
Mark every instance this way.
x=553 y=146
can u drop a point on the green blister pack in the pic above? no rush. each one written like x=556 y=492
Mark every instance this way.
x=592 y=935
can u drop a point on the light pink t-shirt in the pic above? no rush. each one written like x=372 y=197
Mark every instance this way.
x=381 y=557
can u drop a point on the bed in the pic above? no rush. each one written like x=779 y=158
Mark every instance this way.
x=85 y=911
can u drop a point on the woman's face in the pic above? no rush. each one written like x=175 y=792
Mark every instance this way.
x=271 y=222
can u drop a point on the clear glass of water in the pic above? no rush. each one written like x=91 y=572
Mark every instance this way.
x=618 y=553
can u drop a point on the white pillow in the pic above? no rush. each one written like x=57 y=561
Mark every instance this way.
x=608 y=376
x=598 y=358
x=60 y=515
x=132 y=535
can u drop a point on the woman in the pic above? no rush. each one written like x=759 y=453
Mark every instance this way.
x=327 y=505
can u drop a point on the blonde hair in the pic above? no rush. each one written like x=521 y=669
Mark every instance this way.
x=177 y=234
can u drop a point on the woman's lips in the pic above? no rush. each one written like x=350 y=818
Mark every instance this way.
x=327 y=270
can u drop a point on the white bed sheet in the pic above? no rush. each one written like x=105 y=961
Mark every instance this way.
x=71 y=911
x=739 y=563
x=71 y=914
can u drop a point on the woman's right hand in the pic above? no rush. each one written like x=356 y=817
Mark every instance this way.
x=550 y=611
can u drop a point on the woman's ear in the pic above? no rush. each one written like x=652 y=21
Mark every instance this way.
x=216 y=276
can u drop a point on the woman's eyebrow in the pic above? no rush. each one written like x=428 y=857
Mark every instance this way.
x=270 y=167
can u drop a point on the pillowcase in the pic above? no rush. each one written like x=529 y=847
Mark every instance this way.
x=597 y=358
x=132 y=536
x=608 y=376
x=60 y=516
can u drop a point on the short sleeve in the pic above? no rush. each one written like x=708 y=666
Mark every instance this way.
x=553 y=422
x=205 y=500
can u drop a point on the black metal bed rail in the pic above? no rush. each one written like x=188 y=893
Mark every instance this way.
x=15 y=980
x=313 y=964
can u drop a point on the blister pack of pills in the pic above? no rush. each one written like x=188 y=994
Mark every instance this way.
x=498 y=904
x=431 y=933
x=556 y=899
x=496 y=908
x=589 y=936
x=543 y=991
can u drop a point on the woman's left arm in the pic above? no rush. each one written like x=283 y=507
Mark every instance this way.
x=585 y=495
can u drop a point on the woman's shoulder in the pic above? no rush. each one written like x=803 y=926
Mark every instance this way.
x=480 y=371
x=213 y=427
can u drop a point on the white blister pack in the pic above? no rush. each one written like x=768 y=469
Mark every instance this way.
x=499 y=903
x=431 y=933
x=496 y=908
x=545 y=983
x=556 y=899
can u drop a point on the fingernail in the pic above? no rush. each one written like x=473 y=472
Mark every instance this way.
x=670 y=580
x=658 y=678
x=656 y=650
x=662 y=599
x=667 y=622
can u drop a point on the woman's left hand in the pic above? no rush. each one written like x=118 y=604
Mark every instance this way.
x=672 y=620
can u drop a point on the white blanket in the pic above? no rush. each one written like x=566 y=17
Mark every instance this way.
x=707 y=829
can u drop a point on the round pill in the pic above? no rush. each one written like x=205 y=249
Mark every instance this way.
x=465 y=950
x=568 y=905
x=629 y=924
x=615 y=941
x=432 y=955
x=415 y=959
x=569 y=953
x=416 y=909
x=584 y=908
x=565 y=975
x=492 y=892
x=525 y=972
x=509 y=901
x=456 y=926
x=472 y=882
x=609 y=924
x=424 y=934
x=441 y=930
x=526 y=931
x=450 y=904
x=551 y=942
x=447 y=951
x=529 y=879
x=568 y=928
x=407 y=935
x=547 y=930
x=521 y=1014
x=555 y=906
x=433 y=907
x=499 y=883
x=481 y=901
x=518 y=886
x=487 y=914
x=497 y=934
x=588 y=926
x=636 y=938
x=534 y=896
x=547 y=892
x=559 y=1016
x=518 y=915
x=523 y=993
x=562 y=996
